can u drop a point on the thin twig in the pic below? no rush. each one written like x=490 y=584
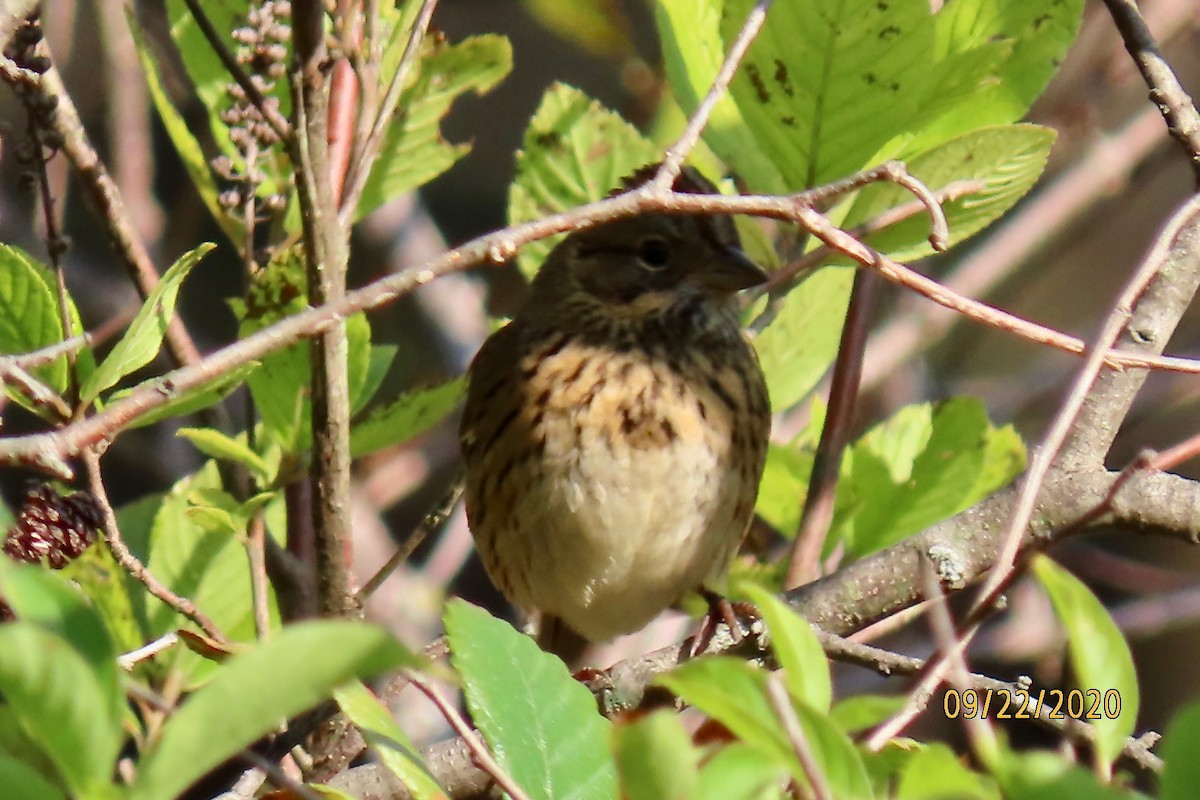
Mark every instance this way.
x=49 y=353
x=460 y=726
x=270 y=113
x=259 y=585
x=48 y=451
x=888 y=663
x=843 y=394
x=781 y=703
x=360 y=169
x=1177 y=108
x=122 y=234
x=672 y=161
x=1186 y=218
x=941 y=624
x=130 y=562
x=429 y=523
x=127 y=661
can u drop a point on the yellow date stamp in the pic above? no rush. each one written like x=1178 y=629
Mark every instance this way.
x=1077 y=704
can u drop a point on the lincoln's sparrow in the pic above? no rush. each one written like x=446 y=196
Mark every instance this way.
x=615 y=430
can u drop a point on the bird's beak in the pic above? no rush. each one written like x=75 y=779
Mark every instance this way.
x=731 y=271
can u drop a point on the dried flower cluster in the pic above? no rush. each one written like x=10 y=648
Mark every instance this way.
x=263 y=51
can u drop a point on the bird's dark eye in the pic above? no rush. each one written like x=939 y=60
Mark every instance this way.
x=654 y=252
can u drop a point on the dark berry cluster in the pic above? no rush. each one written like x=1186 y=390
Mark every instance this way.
x=52 y=528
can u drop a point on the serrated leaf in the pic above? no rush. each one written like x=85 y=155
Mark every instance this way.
x=799 y=345
x=921 y=466
x=541 y=724
x=735 y=694
x=390 y=743
x=825 y=85
x=656 y=759
x=575 y=151
x=413 y=151
x=62 y=703
x=1008 y=160
x=251 y=693
x=1099 y=655
x=1037 y=35
x=29 y=318
x=215 y=444
x=690 y=32
x=796 y=647
x=1181 y=774
x=142 y=340
x=407 y=416
x=187 y=147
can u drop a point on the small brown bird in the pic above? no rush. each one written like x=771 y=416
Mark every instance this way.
x=615 y=431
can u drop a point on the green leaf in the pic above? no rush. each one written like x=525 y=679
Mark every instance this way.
x=63 y=704
x=389 y=741
x=253 y=691
x=541 y=724
x=826 y=85
x=656 y=759
x=782 y=490
x=106 y=584
x=211 y=81
x=936 y=773
x=1037 y=36
x=29 y=316
x=740 y=772
x=1099 y=656
x=40 y=597
x=208 y=565
x=863 y=711
x=735 y=694
x=185 y=143
x=692 y=54
x=1041 y=775
x=802 y=340
x=23 y=782
x=144 y=337
x=413 y=151
x=796 y=647
x=1181 y=775
x=378 y=363
x=575 y=151
x=923 y=465
x=1007 y=160
x=281 y=386
x=215 y=444
x=595 y=26
x=189 y=402
x=407 y=416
